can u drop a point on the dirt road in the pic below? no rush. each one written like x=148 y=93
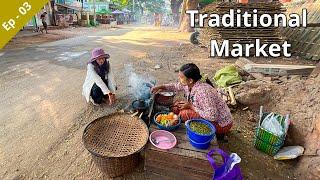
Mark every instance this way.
x=43 y=114
x=42 y=111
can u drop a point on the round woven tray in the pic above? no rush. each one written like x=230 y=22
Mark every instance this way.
x=115 y=135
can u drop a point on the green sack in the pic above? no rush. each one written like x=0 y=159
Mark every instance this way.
x=227 y=76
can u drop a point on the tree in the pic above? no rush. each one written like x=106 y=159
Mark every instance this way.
x=98 y=1
x=122 y=3
x=155 y=6
x=175 y=6
x=185 y=18
x=138 y=4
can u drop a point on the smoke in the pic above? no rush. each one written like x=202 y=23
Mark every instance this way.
x=139 y=83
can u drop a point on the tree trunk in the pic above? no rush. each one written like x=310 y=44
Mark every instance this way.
x=185 y=18
x=183 y=9
x=175 y=5
x=141 y=9
x=52 y=3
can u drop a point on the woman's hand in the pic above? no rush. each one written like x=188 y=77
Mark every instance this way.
x=112 y=99
x=157 y=89
x=184 y=105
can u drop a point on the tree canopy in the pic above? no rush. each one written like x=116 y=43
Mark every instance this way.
x=155 y=6
x=122 y=3
x=205 y=2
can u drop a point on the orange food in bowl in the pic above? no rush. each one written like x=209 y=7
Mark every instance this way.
x=163 y=117
x=158 y=119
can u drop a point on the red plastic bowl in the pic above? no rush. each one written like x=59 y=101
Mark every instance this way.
x=167 y=138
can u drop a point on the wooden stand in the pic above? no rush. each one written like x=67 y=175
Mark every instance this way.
x=182 y=162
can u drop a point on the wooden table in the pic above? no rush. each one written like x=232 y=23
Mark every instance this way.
x=182 y=162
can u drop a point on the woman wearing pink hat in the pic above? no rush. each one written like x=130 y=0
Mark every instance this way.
x=99 y=84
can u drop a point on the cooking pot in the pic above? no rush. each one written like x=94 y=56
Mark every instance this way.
x=142 y=107
x=139 y=105
x=165 y=98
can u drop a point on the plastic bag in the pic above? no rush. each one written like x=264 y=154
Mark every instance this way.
x=289 y=152
x=231 y=162
x=229 y=169
x=272 y=124
x=227 y=76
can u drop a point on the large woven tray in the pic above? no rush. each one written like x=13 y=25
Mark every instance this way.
x=115 y=135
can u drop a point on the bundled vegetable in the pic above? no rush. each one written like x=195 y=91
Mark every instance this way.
x=200 y=128
x=166 y=120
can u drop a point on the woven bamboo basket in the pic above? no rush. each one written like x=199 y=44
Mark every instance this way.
x=114 y=142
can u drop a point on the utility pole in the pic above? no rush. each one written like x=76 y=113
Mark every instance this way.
x=94 y=12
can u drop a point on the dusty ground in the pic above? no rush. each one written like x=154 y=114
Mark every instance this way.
x=43 y=113
x=28 y=37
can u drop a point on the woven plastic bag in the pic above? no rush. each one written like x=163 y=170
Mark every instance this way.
x=229 y=170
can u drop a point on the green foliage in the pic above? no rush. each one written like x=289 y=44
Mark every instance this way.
x=98 y=1
x=104 y=11
x=155 y=6
x=92 y=24
x=122 y=3
x=205 y=2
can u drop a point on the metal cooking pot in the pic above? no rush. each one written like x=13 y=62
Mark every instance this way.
x=139 y=105
x=165 y=98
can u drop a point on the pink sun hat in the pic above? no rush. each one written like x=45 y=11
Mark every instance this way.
x=97 y=53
